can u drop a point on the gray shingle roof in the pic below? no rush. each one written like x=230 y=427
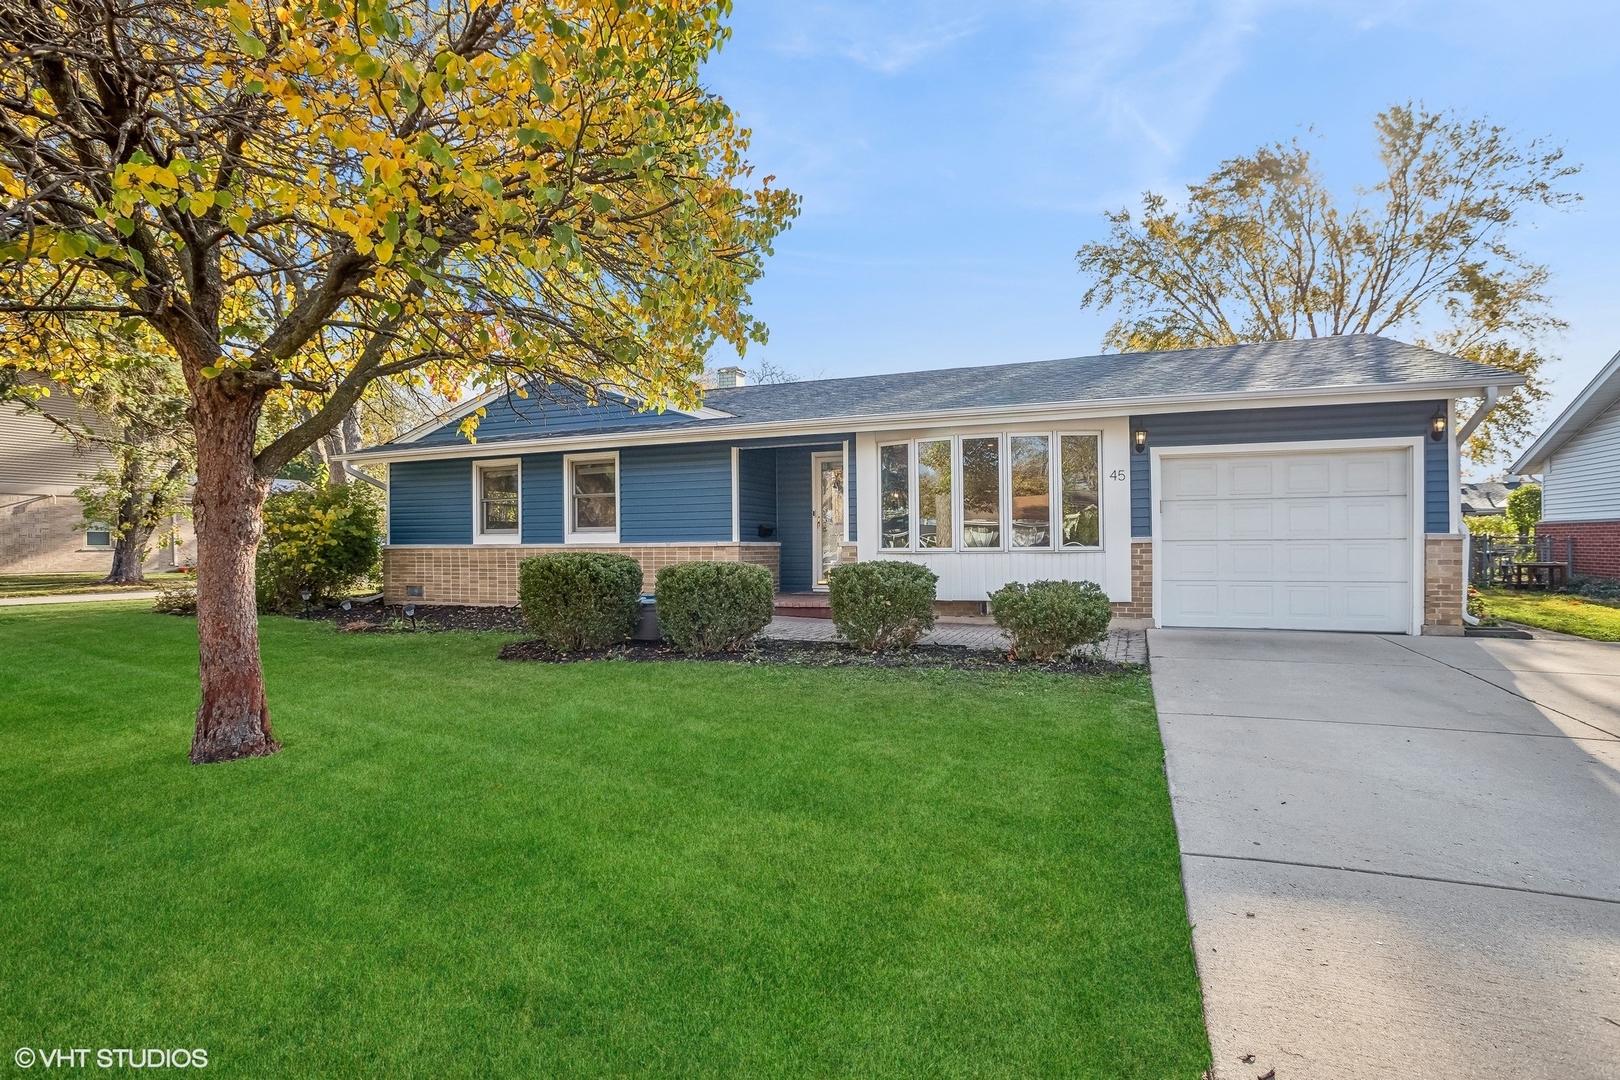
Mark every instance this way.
x=1336 y=364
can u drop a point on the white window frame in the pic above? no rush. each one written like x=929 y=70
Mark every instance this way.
x=1054 y=464
x=1057 y=490
x=591 y=536
x=505 y=536
x=911 y=495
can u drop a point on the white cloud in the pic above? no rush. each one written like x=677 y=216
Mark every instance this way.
x=887 y=38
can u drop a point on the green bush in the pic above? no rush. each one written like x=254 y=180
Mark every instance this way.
x=325 y=540
x=177 y=598
x=576 y=600
x=882 y=605
x=1483 y=525
x=1524 y=507
x=707 y=606
x=1048 y=619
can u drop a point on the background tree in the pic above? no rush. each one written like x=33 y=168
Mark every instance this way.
x=306 y=197
x=1264 y=251
x=1524 y=508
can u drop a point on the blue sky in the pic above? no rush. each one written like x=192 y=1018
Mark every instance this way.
x=953 y=155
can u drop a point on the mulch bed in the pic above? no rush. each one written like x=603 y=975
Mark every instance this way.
x=818 y=654
x=376 y=617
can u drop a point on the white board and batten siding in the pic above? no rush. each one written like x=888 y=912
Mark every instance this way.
x=1582 y=479
x=974 y=575
x=1308 y=539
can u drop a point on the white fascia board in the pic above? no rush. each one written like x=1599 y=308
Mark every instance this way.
x=1034 y=413
x=1602 y=392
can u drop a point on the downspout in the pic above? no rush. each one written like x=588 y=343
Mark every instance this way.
x=1484 y=410
x=1492 y=393
x=355 y=474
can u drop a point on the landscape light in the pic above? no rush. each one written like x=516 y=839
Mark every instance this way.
x=344 y=605
x=410 y=613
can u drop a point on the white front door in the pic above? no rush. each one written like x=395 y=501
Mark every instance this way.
x=1288 y=541
x=828 y=483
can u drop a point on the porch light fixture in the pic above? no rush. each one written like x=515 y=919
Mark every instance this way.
x=1139 y=439
x=1437 y=427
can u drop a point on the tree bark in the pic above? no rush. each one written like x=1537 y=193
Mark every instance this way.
x=130 y=537
x=233 y=720
x=129 y=557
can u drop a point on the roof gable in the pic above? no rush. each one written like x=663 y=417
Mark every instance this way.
x=1601 y=394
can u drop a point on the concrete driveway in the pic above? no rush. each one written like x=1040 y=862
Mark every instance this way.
x=1401 y=855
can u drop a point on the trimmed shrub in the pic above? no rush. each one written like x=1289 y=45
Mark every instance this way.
x=1524 y=508
x=882 y=605
x=1483 y=525
x=709 y=606
x=176 y=598
x=575 y=600
x=1048 y=619
x=326 y=540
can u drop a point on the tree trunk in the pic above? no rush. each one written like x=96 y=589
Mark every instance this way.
x=233 y=720
x=129 y=556
x=129 y=536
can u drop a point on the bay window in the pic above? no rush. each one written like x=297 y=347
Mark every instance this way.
x=1082 y=525
x=1014 y=491
x=894 y=494
x=935 y=517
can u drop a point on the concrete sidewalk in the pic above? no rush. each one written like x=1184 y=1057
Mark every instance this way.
x=79 y=598
x=1401 y=855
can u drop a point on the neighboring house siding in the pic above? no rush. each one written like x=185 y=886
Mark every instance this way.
x=542 y=512
x=1404 y=419
x=675 y=494
x=34 y=457
x=1582 y=479
x=850 y=502
x=430 y=502
x=756 y=482
x=513 y=417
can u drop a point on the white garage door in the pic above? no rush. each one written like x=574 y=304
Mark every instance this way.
x=1295 y=541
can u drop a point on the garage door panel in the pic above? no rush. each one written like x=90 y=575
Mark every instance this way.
x=1293 y=541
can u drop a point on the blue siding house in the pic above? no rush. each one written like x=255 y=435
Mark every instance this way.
x=1300 y=484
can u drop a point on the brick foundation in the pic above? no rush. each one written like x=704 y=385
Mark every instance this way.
x=487 y=575
x=1140 y=605
x=1597 y=545
x=1443 y=585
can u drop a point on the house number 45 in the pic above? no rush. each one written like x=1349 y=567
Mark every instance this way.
x=1117 y=474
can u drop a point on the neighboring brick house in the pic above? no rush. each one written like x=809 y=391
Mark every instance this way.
x=1578 y=457
x=42 y=526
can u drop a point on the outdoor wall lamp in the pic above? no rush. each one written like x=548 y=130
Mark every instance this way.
x=1437 y=427
x=1139 y=439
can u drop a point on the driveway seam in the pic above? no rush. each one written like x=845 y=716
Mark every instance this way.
x=1505 y=690
x=1402 y=727
x=1398 y=874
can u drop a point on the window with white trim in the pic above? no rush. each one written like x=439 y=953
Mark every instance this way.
x=498 y=494
x=593 y=498
x=991 y=492
x=98 y=535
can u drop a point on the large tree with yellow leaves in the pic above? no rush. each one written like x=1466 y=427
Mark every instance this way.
x=302 y=198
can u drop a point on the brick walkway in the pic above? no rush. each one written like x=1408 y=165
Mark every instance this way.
x=1122 y=646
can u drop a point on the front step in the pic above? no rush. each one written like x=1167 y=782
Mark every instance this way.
x=803 y=606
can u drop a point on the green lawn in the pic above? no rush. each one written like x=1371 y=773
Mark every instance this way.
x=463 y=867
x=1596 y=619
x=69 y=584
